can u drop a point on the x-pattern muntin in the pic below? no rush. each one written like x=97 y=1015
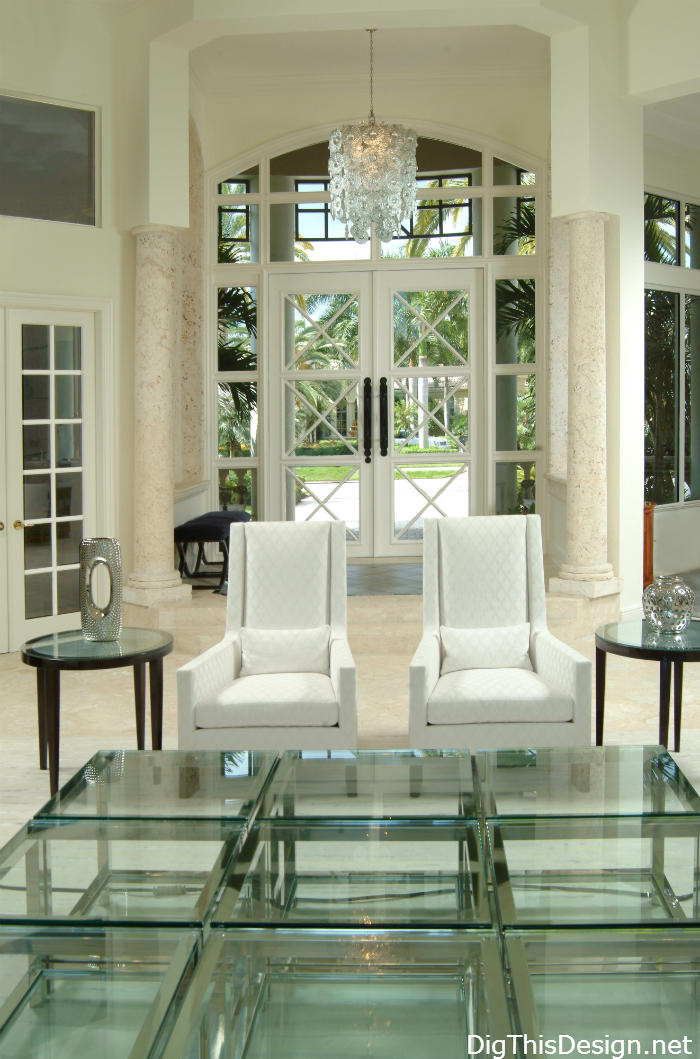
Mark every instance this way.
x=431 y=327
x=431 y=499
x=453 y=391
x=321 y=329
x=322 y=504
x=321 y=418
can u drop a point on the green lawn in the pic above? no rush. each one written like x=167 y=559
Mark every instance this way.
x=336 y=474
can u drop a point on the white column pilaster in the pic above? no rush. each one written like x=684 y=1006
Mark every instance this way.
x=586 y=571
x=154 y=579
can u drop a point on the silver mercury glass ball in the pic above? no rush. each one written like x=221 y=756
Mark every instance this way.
x=668 y=603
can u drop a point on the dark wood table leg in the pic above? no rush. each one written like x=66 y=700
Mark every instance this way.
x=41 y=707
x=600 y=660
x=140 y=700
x=52 y=685
x=155 y=676
x=664 y=699
x=677 y=703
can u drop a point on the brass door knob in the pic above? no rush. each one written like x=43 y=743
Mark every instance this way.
x=18 y=524
x=2 y=526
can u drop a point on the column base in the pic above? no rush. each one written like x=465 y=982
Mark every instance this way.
x=569 y=618
x=144 y=591
x=560 y=586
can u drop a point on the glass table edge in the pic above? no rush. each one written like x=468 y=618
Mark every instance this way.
x=77 y=780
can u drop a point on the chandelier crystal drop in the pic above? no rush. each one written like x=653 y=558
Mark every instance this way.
x=373 y=174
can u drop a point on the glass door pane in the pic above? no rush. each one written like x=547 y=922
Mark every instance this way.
x=50 y=383
x=320 y=358
x=426 y=322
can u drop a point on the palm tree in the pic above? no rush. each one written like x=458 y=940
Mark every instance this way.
x=519 y=227
x=661 y=223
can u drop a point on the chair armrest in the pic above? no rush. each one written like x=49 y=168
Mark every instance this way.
x=203 y=677
x=423 y=675
x=566 y=669
x=344 y=681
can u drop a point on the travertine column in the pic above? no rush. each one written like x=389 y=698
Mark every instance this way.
x=154 y=579
x=586 y=571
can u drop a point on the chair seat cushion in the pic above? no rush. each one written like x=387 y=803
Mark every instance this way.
x=271 y=700
x=488 y=696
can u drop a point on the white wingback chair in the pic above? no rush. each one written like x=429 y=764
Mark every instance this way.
x=289 y=577
x=483 y=580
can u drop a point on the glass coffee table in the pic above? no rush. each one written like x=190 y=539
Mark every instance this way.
x=637 y=639
x=70 y=650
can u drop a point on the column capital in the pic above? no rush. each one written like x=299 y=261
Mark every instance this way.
x=155 y=229
x=585 y=215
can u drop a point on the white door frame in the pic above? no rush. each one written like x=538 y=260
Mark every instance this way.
x=105 y=398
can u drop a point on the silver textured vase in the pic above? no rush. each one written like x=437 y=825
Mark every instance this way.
x=101 y=623
x=668 y=603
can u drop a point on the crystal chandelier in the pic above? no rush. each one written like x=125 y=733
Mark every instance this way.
x=373 y=173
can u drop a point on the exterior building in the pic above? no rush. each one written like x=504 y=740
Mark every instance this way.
x=136 y=396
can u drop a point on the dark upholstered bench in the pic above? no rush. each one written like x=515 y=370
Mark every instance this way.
x=212 y=528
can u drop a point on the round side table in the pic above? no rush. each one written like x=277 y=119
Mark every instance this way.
x=70 y=650
x=637 y=639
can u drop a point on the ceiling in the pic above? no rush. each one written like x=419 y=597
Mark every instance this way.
x=486 y=54
x=675 y=119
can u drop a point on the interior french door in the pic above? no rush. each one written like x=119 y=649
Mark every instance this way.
x=372 y=383
x=50 y=466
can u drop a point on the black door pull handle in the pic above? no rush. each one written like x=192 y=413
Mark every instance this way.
x=383 y=417
x=367 y=420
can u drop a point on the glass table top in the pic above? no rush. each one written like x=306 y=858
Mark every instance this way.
x=73 y=647
x=640 y=634
x=626 y=989
x=372 y=784
x=106 y=872
x=583 y=781
x=600 y=871
x=76 y=993
x=311 y=995
x=164 y=784
x=350 y=874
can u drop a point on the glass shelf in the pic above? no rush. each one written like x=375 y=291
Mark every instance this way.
x=636 y=987
x=597 y=871
x=137 y=784
x=583 y=781
x=372 y=784
x=314 y=994
x=75 y=993
x=349 y=874
x=113 y=873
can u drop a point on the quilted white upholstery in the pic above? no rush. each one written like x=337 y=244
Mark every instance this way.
x=286 y=572
x=283 y=576
x=505 y=648
x=285 y=651
x=469 y=695
x=271 y=700
x=484 y=573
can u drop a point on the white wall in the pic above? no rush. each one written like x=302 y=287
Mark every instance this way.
x=516 y=116
x=69 y=52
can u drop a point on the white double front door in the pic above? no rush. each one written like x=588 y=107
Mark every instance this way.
x=373 y=419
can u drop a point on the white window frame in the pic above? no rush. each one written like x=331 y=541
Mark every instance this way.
x=255 y=273
x=681 y=280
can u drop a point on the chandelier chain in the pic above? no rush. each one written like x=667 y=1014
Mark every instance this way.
x=371 y=74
